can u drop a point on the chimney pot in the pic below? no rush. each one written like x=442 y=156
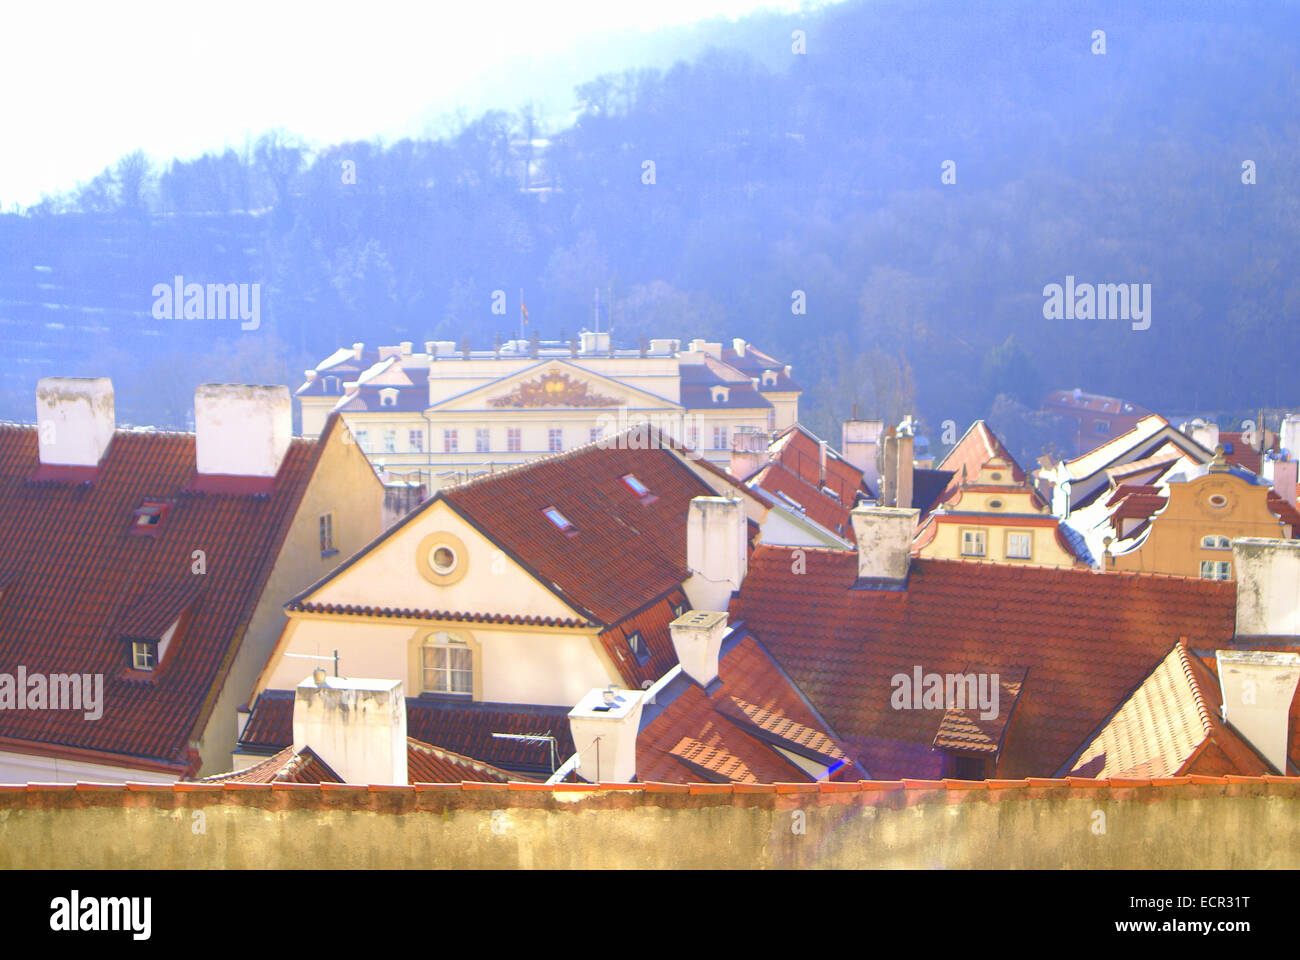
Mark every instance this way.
x=1268 y=587
x=357 y=348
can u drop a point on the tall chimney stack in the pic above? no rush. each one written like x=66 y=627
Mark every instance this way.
x=1268 y=587
x=860 y=446
x=884 y=542
x=604 y=725
x=75 y=420
x=717 y=551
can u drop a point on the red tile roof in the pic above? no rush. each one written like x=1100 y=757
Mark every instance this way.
x=727 y=733
x=80 y=586
x=977 y=447
x=622 y=549
x=424 y=764
x=1086 y=640
x=652 y=624
x=964 y=729
x=1243 y=453
x=1168 y=727
x=796 y=472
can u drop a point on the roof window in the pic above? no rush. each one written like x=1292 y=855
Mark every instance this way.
x=149 y=517
x=560 y=520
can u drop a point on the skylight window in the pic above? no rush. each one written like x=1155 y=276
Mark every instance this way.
x=636 y=486
x=148 y=518
x=560 y=520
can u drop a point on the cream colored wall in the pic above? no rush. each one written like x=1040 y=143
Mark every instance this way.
x=315 y=411
x=388 y=576
x=946 y=544
x=23 y=768
x=542 y=665
x=1174 y=544
x=343 y=484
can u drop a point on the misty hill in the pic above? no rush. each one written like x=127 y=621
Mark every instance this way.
x=774 y=172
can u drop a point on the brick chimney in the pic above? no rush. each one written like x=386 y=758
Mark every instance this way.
x=860 y=446
x=604 y=725
x=697 y=639
x=242 y=430
x=717 y=551
x=884 y=536
x=1257 y=688
x=1268 y=587
x=356 y=726
x=75 y=420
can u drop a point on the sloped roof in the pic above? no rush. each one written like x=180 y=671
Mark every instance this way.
x=728 y=732
x=81 y=586
x=425 y=763
x=1086 y=640
x=977 y=446
x=1170 y=726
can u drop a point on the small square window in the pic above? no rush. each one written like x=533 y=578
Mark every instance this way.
x=1019 y=546
x=144 y=654
x=1216 y=569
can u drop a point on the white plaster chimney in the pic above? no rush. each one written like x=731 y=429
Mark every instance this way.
x=75 y=420
x=717 y=551
x=697 y=639
x=738 y=344
x=749 y=454
x=860 y=446
x=1257 y=688
x=356 y=726
x=1268 y=587
x=1283 y=476
x=604 y=725
x=884 y=536
x=242 y=430
x=1206 y=434
x=357 y=349
x=1289 y=436
x=822 y=446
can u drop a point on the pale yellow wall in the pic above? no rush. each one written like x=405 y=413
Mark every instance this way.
x=343 y=484
x=512 y=664
x=1173 y=544
x=946 y=544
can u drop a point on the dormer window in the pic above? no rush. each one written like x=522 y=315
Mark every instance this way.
x=561 y=522
x=144 y=654
x=388 y=397
x=636 y=643
x=769 y=378
x=331 y=384
x=148 y=518
x=721 y=393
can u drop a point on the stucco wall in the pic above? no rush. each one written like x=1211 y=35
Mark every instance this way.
x=1183 y=823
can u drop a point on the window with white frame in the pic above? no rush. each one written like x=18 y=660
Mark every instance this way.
x=554 y=440
x=1216 y=569
x=415 y=438
x=450 y=441
x=1214 y=542
x=1020 y=546
x=390 y=441
x=514 y=440
x=144 y=654
x=719 y=438
x=448 y=665
x=482 y=440
x=972 y=543
x=363 y=440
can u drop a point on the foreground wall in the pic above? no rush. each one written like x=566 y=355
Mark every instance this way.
x=1191 y=822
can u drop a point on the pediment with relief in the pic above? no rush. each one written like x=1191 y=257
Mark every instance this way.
x=553 y=389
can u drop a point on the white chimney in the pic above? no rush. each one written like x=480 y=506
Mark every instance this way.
x=860 y=445
x=1206 y=434
x=596 y=344
x=405 y=347
x=356 y=726
x=738 y=344
x=749 y=454
x=1283 y=476
x=822 y=446
x=242 y=430
x=1268 y=587
x=604 y=725
x=697 y=638
x=1257 y=688
x=356 y=351
x=884 y=536
x=717 y=551
x=75 y=420
x=896 y=467
x=1289 y=436
x=310 y=375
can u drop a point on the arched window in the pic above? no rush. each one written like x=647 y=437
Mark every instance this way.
x=448 y=665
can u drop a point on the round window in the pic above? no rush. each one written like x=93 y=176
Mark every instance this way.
x=443 y=559
x=996 y=476
x=1218 y=500
x=995 y=504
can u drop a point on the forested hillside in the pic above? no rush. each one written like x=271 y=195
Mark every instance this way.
x=773 y=172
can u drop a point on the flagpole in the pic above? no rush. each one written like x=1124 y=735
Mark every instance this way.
x=521 y=313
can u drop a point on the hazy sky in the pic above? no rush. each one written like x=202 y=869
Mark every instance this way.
x=84 y=83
